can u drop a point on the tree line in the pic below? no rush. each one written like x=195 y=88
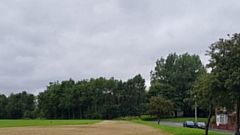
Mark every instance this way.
x=94 y=99
x=103 y=98
x=86 y=99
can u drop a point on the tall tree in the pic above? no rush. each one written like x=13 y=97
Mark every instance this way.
x=179 y=72
x=225 y=63
x=134 y=96
x=3 y=104
x=206 y=93
x=20 y=105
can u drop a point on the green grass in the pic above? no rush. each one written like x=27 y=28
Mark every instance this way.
x=184 y=119
x=176 y=130
x=172 y=119
x=148 y=117
x=22 y=123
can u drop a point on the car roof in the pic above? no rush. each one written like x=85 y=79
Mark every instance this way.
x=189 y=121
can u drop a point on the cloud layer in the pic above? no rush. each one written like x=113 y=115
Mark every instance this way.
x=44 y=41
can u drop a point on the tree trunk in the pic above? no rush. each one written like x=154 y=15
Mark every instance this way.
x=175 y=113
x=73 y=113
x=62 y=114
x=237 y=118
x=80 y=112
x=158 y=120
x=209 y=118
x=158 y=116
x=69 y=117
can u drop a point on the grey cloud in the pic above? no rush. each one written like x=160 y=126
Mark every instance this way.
x=44 y=41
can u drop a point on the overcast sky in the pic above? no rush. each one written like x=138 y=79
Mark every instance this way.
x=48 y=40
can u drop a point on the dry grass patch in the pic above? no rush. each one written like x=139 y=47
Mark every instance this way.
x=103 y=128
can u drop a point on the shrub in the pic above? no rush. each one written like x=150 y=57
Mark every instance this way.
x=213 y=119
x=148 y=117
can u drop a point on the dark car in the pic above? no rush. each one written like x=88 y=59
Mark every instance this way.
x=188 y=124
x=200 y=125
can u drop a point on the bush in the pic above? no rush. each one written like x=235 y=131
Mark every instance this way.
x=29 y=115
x=97 y=116
x=127 y=118
x=213 y=119
x=148 y=117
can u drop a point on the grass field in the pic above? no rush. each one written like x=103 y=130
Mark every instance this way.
x=184 y=119
x=176 y=130
x=22 y=123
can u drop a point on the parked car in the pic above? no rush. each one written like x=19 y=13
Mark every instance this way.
x=200 y=125
x=188 y=124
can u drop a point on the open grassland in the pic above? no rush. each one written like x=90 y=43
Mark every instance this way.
x=176 y=130
x=23 y=123
x=102 y=128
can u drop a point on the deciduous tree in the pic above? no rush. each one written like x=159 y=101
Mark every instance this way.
x=177 y=72
x=159 y=107
x=225 y=63
x=207 y=93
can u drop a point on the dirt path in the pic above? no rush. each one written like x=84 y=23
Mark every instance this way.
x=103 y=128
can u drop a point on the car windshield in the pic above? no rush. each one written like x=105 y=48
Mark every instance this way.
x=200 y=123
x=190 y=122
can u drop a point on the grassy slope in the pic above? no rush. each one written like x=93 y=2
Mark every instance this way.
x=21 y=123
x=184 y=119
x=176 y=130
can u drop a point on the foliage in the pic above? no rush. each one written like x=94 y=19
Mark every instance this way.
x=86 y=99
x=160 y=107
x=127 y=118
x=16 y=105
x=213 y=119
x=94 y=99
x=173 y=78
x=205 y=94
x=148 y=117
x=3 y=104
x=225 y=64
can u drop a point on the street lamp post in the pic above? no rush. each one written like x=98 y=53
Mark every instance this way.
x=195 y=108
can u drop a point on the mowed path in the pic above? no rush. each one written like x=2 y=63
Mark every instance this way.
x=103 y=128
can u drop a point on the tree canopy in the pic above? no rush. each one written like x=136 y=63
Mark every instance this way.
x=98 y=98
x=159 y=107
x=225 y=64
x=207 y=95
x=173 y=78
